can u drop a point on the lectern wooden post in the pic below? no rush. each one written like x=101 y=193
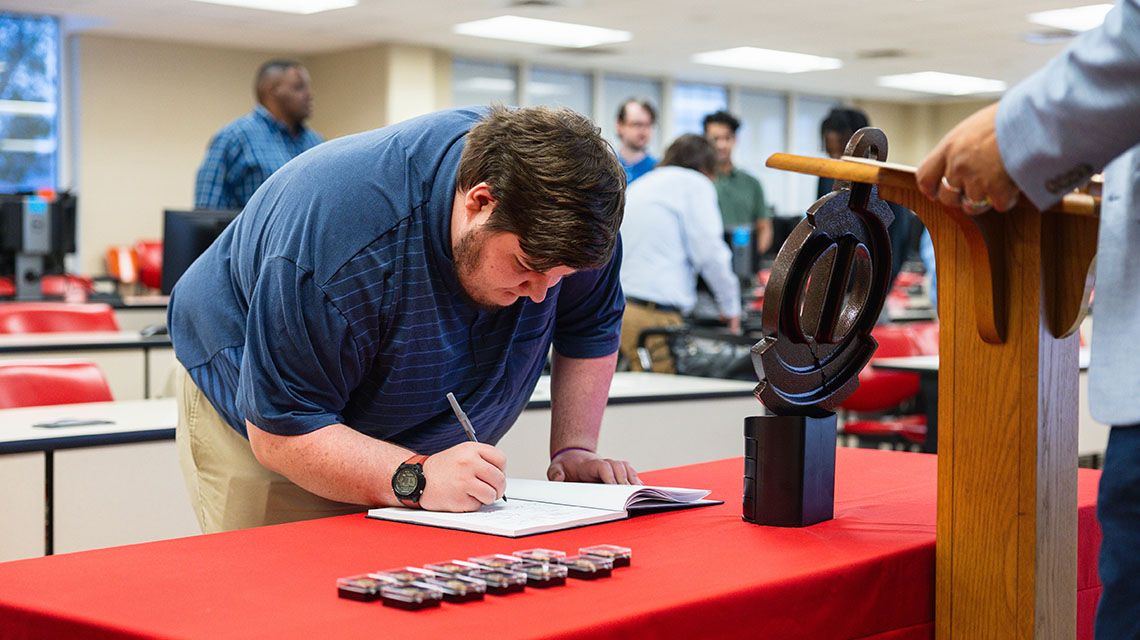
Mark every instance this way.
x=1011 y=291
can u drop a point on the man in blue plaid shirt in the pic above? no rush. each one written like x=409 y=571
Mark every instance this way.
x=248 y=150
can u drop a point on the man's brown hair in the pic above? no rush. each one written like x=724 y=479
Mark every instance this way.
x=557 y=183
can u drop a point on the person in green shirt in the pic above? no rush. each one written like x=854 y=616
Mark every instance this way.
x=740 y=195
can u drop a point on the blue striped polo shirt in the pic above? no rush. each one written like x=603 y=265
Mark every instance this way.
x=333 y=298
x=243 y=154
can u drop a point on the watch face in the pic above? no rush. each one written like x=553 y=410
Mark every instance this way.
x=405 y=482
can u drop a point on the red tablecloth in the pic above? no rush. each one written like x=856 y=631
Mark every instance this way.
x=869 y=573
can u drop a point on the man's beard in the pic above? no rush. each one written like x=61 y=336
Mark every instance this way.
x=468 y=252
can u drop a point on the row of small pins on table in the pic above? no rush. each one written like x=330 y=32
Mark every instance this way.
x=466 y=580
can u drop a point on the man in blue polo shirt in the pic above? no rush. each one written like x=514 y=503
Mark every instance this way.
x=367 y=279
x=248 y=150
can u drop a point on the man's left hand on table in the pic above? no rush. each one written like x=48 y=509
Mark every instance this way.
x=586 y=466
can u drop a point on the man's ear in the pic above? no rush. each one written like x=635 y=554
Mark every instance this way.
x=478 y=202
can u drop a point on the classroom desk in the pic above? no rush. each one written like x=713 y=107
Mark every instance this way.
x=699 y=573
x=652 y=420
x=100 y=485
x=133 y=312
x=136 y=366
x=1092 y=437
x=90 y=486
x=917 y=314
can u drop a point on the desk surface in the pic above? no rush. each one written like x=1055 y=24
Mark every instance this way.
x=695 y=573
x=629 y=386
x=70 y=341
x=131 y=421
x=143 y=302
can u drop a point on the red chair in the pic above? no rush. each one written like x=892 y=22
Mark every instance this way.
x=7 y=287
x=58 y=285
x=908 y=279
x=33 y=383
x=883 y=391
x=150 y=262
x=48 y=317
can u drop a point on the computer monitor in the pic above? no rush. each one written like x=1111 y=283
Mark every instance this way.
x=37 y=233
x=185 y=235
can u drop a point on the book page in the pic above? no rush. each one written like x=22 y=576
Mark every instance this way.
x=514 y=518
x=614 y=497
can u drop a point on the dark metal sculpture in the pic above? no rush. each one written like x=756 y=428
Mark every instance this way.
x=825 y=293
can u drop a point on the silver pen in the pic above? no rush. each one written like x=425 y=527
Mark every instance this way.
x=464 y=422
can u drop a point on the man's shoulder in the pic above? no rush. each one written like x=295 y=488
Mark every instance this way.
x=447 y=122
x=239 y=128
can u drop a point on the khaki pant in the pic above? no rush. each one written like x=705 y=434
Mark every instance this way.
x=229 y=489
x=638 y=318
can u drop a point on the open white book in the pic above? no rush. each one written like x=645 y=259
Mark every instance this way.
x=539 y=506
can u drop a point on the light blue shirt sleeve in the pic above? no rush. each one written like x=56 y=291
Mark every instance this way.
x=1055 y=129
x=1065 y=122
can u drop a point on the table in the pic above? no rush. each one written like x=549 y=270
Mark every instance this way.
x=89 y=480
x=136 y=366
x=79 y=487
x=653 y=420
x=926 y=367
x=869 y=573
x=133 y=312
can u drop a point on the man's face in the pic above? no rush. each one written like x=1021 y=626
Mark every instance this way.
x=721 y=137
x=493 y=270
x=635 y=131
x=293 y=93
x=834 y=143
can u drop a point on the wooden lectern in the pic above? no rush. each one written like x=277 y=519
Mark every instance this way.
x=1012 y=289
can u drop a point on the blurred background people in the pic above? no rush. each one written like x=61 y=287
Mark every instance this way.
x=249 y=149
x=635 y=121
x=672 y=232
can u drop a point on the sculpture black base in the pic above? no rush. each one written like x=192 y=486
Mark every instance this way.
x=789 y=470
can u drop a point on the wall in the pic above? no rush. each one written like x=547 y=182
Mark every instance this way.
x=361 y=89
x=148 y=109
x=349 y=91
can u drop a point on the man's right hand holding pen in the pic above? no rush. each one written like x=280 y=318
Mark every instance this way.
x=464 y=477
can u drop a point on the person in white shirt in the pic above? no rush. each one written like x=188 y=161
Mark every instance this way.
x=672 y=232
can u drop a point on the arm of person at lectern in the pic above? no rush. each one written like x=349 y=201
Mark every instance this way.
x=1051 y=132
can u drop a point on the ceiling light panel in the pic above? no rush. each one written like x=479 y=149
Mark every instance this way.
x=1074 y=19
x=947 y=84
x=547 y=32
x=287 y=6
x=756 y=59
